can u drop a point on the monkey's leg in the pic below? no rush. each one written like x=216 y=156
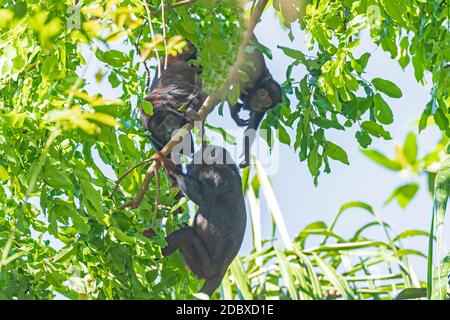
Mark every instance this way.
x=211 y=284
x=191 y=187
x=194 y=252
x=222 y=263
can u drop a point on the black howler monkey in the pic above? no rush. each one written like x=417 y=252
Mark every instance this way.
x=209 y=246
x=259 y=94
x=178 y=87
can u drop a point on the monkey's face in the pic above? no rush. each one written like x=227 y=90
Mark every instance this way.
x=260 y=100
x=267 y=95
x=164 y=123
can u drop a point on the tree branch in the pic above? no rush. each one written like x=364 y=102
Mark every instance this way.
x=117 y=182
x=205 y=108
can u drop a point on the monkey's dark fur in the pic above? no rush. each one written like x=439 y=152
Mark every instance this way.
x=214 y=239
x=178 y=86
x=259 y=94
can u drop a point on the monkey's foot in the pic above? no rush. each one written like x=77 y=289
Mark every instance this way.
x=191 y=116
x=157 y=156
x=149 y=233
x=162 y=160
x=244 y=164
x=241 y=122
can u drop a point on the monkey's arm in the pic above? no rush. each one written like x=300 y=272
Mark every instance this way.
x=191 y=186
x=255 y=120
x=234 y=112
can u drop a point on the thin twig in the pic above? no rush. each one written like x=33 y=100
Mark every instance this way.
x=163 y=14
x=138 y=50
x=155 y=210
x=152 y=33
x=117 y=182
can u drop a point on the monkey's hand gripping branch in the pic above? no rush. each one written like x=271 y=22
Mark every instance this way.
x=177 y=138
x=203 y=113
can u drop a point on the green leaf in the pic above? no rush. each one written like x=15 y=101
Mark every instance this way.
x=15 y=120
x=383 y=112
x=441 y=280
x=265 y=50
x=20 y=8
x=387 y=87
x=230 y=139
x=423 y=122
x=102 y=118
x=286 y=273
x=441 y=119
x=404 y=194
x=363 y=138
x=242 y=281
x=336 y=152
x=114 y=58
x=92 y=200
x=403 y=58
x=56 y=178
x=346 y=246
x=313 y=162
x=4 y=176
x=52 y=223
x=419 y=61
x=283 y=136
x=313 y=276
x=327 y=123
x=233 y=94
x=128 y=146
x=292 y=53
x=121 y=236
x=411 y=233
x=395 y=9
x=113 y=80
x=381 y=159
x=363 y=60
x=335 y=279
x=441 y=196
x=411 y=293
x=148 y=107
x=375 y=130
x=410 y=148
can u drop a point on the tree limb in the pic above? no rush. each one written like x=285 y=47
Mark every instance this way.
x=117 y=182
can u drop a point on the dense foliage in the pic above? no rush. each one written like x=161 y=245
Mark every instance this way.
x=60 y=232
